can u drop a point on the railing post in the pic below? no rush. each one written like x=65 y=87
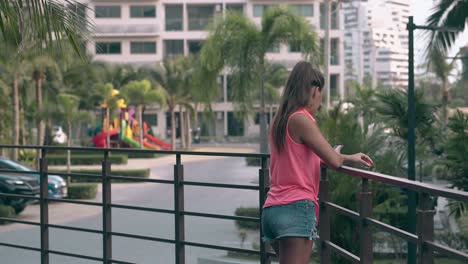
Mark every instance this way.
x=365 y=210
x=425 y=229
x=106 y=209
x=44 y=207
x=324 y=218
x=264 y=179
x=179 y=208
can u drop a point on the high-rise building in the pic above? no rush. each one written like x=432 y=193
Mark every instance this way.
x=143 y=32
x=376 y=41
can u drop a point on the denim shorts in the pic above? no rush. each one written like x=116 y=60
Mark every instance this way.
x=296 y=219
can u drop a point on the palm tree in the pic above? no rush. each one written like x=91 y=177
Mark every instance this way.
x=442 y=69
x=237 y=43
x=364 y=101
x=67 y=112
x=108 y=99
x=447 y=13
x=141 y=93
x=171 y=75
x=47 y=22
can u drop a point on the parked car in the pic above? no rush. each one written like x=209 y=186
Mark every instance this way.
x=18 y=184
x=57 y=186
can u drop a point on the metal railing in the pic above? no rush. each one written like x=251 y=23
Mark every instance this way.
x=423 y=237
x=107 y=233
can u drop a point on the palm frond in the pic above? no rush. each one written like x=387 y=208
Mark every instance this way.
x=446 y=13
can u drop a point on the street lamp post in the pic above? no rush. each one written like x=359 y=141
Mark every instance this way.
x=411 y=259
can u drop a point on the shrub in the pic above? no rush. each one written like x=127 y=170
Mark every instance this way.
x=83 y=159
x=144 y=173
x=253 y=161
x=6 y=212
x=248 y=212
x=82 y=191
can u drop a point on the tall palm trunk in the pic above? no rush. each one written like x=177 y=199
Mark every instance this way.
x=140 y=122
x=189 y=133
x=40 y=124
x=182 y=128
x=445 y=95
x=16 y=114
x=173 y=129
x=263 y=121
x=69 y=131
x=107 y=124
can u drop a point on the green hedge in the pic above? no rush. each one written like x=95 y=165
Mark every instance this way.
x=7 y=212
x=252 y=161
x=83 y=159
x=130 y=155
x=82 y=191
x=248 y=212
x=144 y=173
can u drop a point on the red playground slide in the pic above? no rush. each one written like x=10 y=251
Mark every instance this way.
x=99 y=140
x=158 y=142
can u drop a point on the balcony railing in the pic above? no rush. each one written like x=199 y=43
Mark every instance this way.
x=424 y=238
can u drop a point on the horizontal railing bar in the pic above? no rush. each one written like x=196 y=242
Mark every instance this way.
x=141 y=179
x=240 y=250
x=229 y=217
x=120 y=261
x=19 y=221
x=73 y=174
x=139 y=208
x=61 y=200
x=447 y=251
x=407 y=184
x=163 y=240
x=222 y=185
x=20 y=172
x=343 y=252
x=79 y=229
x=342 y=210
x=128 y=150
x=393 y=230
x=19 y=246
x=29 y=197
x=74 y=255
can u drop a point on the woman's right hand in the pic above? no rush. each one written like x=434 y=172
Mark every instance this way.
x=361 y=159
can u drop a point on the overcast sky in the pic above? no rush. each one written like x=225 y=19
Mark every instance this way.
x=421 y=10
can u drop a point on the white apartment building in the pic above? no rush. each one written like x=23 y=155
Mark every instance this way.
x=376 y=41
x=143 y=32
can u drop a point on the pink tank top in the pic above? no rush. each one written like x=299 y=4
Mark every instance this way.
x=294 y=172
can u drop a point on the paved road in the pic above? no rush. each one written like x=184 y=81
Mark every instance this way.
x=200 y=199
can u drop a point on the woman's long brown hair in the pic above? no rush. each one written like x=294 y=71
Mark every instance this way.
x=300 y=85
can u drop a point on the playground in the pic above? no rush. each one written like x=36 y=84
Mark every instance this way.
x=124 y=131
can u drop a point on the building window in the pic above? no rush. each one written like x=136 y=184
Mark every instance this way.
x=334 y=81
x=275 y=48
x=235 y=125
x=143 y=47
x=150 y=119
x=294 y=46
x=303 y=10
x=174 y=18
x=194 y=46
x=260 y=9
x=108 y=47
x=235 y=8
x=257 y=118
x=220 y=80
x=142 y=11
x=173 y=48
x=334 y=15
x=334 y=52
x=107 y=11
x=229 y=88
x=200 y=16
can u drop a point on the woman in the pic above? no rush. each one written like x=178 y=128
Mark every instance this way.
x=297 y=147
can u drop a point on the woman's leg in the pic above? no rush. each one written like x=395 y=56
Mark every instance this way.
x=295 y=250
